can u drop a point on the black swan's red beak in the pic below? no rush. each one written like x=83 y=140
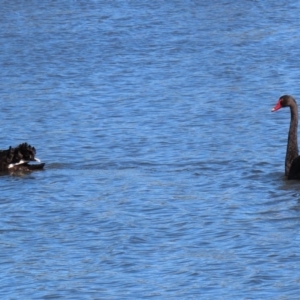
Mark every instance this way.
x=277 y=106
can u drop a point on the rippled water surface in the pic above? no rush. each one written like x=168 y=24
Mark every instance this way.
x=164 y=165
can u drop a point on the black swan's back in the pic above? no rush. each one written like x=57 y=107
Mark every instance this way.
x=294 y=172
x=18 y=158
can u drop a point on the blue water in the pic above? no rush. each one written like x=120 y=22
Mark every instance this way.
x=164 y=170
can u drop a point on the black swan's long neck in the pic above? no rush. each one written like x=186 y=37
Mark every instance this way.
x=292 y=146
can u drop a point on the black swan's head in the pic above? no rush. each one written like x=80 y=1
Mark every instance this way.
x=284 y=101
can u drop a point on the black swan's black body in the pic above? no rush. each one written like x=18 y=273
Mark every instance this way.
x=18 y=158
x=292 y=158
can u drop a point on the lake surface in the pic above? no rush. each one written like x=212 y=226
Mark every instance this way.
x=164 y=170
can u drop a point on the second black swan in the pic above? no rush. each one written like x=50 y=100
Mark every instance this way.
x=292 y=158
x=18 y=158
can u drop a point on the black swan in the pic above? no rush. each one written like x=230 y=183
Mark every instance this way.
x=292 y=159
x=17 y=159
